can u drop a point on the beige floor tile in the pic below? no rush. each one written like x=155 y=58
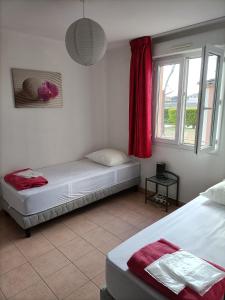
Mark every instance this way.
x=87 y=292
x=6 y=239
x=13 y=232
x=58 y=234
x=10 y=259
x=80 y=225
x=132 y=217
x=2 y=297
x=136 y=205
x=3 y=218
x=17 y=280
x=148 y=212
x=77 y=214
x=100 y=217
x=127 y=234
x=92 y=263
x=152 y=211
x=38 y=291
x=99 y=280
x=49 y=263
x=6 y=221
x=81 y=238
x=76 y=248
x=118 y=226
x=147 y=223
x=34 y=246
x=66 y=281
x=115 y=209
x=5 y=244
x=102 y=239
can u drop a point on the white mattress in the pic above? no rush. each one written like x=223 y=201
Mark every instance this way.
x=67 y=182
x=198 y=227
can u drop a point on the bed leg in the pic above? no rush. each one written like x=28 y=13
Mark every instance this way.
x=27 y=232
x=104 y=295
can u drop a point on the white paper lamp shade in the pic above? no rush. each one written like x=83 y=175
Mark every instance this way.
x=86 y=41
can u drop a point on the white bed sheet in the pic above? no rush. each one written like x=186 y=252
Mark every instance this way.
x=198 y=227
x=67 y=182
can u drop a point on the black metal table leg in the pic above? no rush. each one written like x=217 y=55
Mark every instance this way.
x=167 y=180
x=177 y=194
x=167 y=194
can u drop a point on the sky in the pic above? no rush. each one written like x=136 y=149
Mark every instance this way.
x=193 y=76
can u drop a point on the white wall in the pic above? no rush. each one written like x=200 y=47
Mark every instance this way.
x=35 y=137
x=196 y=41
x=197 y=172
x=99 y=98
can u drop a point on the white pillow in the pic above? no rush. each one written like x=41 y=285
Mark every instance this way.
x=216 y=193
x=108 y=157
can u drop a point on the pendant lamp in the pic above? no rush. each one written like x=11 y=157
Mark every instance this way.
x=85 y=41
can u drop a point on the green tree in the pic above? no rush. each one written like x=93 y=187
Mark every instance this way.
x=170 y=116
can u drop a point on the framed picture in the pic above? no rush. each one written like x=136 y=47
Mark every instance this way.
x=37 y=89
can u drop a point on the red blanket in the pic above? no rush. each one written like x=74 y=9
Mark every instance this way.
x=148 y=254
x=21 y=183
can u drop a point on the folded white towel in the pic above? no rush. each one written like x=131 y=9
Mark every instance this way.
x=162 y=275
x=29 y=174
x=185 y=269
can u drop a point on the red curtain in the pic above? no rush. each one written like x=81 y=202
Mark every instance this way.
x=140 y=127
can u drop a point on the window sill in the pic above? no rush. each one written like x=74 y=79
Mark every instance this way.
x=172 y=145
x=168 y=144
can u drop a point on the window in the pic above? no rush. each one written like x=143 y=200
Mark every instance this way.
x=191 y=95
x=168 y=93
x=187 y=94
x=209 y=99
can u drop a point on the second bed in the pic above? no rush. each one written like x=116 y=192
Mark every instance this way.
x=198 y=227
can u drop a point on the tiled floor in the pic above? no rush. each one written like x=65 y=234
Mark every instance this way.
x=65 y=258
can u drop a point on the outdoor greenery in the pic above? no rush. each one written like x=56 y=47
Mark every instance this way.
x=170 y=116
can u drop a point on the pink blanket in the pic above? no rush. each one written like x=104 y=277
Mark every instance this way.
x=21 y=183
x=148 y=254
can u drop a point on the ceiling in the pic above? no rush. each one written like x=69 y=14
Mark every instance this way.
x=121 y=19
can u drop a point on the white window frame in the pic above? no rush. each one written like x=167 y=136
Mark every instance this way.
x=208 y=49
x=160 y=63
x=196 y=54
x=182 y=60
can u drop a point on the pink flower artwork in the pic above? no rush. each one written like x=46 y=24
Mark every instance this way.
x=47 y=91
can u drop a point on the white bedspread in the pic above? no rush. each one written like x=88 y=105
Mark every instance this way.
x=182 y=269
x=67 y=182
x=197 y=227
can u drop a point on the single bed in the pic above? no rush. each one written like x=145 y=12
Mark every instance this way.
x=198 y=227
x=70 y=186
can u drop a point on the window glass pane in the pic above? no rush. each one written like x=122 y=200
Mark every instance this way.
x=206 y=129
x=168 y=88
x=191 y=100
x=211 y=76
x=207 y=125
